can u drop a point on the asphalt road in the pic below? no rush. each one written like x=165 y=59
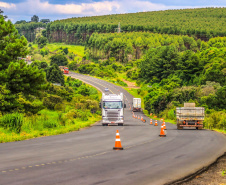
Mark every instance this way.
x=86 y=157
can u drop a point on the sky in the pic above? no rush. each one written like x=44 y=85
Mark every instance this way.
x=61 y=9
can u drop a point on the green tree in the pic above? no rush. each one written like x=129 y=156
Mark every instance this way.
x=11 y=44
x=23 y=78
x=17 y=79
x=59 y=59
x=65 y=50
x=1 y=12
x=34 y=18
x=42 y=41
x=44 y=33
x=55 y=75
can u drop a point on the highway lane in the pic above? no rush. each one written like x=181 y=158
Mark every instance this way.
x=86 y=157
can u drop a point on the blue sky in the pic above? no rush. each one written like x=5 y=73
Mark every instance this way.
x=62 y=9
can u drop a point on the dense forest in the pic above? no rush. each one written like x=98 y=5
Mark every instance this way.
x=29 y=30
x=203 y=23
x=128 y=46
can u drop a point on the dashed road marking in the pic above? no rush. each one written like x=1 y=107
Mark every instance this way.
x=73 y=159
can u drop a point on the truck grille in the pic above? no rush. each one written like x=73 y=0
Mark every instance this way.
x=112 y=116
x=112 y=119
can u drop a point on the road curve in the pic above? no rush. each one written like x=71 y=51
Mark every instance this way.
x=86 y=157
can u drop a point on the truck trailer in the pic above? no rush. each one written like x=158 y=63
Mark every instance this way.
x=190 y=116
x=112 y=106
x=136 y=104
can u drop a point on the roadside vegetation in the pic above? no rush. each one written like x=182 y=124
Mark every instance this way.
x=37 y=100
x=170 y=70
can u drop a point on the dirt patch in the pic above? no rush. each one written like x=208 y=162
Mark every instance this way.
x=131 y=84
x=214 y=175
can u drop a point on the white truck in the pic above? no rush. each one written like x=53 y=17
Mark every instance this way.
x=190 y=116
x=136 y=104
x=112 y=106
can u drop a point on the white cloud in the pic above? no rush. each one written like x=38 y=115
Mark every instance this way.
x=7 y=5
x=38 y=7
x=45 y=9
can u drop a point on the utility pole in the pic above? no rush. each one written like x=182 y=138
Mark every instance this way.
x=119 y=28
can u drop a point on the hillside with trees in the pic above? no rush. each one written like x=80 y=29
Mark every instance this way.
x=170 y=69
x=203 y=23
x=31 y=29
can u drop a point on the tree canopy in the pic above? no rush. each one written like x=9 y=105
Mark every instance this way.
x=18 y=81
x=35 y=18
x=59 y=59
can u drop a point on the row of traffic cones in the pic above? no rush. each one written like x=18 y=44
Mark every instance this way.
x=163 y=127
x=156 y=123
x=118 y=145
x=139 y=117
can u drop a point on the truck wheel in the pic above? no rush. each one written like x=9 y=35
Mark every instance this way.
x=197 y=128
x=104 y=124
x=120 y=124
x=179 y=127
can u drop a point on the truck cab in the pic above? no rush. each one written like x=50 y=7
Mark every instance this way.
x=112 y=106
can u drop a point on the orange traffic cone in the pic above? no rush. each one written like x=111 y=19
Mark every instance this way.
x=118 y=145
x=141 y=118
x=150 y=121
x=164 y=125
x=162 y=133
x=156 y=123
x=138 y=117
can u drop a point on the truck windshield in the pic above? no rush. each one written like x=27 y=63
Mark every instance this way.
x=112 y=104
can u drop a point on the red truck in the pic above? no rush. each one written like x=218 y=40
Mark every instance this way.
x=64 y=69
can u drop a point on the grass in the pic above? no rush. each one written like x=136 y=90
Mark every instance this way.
x=54 y=47
x=223 y=173
x=46 y=124
x=78 y=50
x=219 y=130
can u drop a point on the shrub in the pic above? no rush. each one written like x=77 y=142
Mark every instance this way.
x=51 y=101
x=215 y=120
x=13 y=121
x=50 y=123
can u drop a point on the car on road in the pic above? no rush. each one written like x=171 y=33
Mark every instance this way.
x=106 y=89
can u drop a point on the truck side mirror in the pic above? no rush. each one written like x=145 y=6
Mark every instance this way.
x=100 y=104
x=124 y=105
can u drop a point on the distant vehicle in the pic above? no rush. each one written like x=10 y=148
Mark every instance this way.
x=190 y=116
x=136 y=104
x=106 y=89
x=64 y=69
x=112 y=106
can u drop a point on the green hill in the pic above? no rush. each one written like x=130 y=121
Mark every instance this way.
x=202 y=23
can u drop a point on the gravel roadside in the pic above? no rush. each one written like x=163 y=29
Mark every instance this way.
x=214 y=175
